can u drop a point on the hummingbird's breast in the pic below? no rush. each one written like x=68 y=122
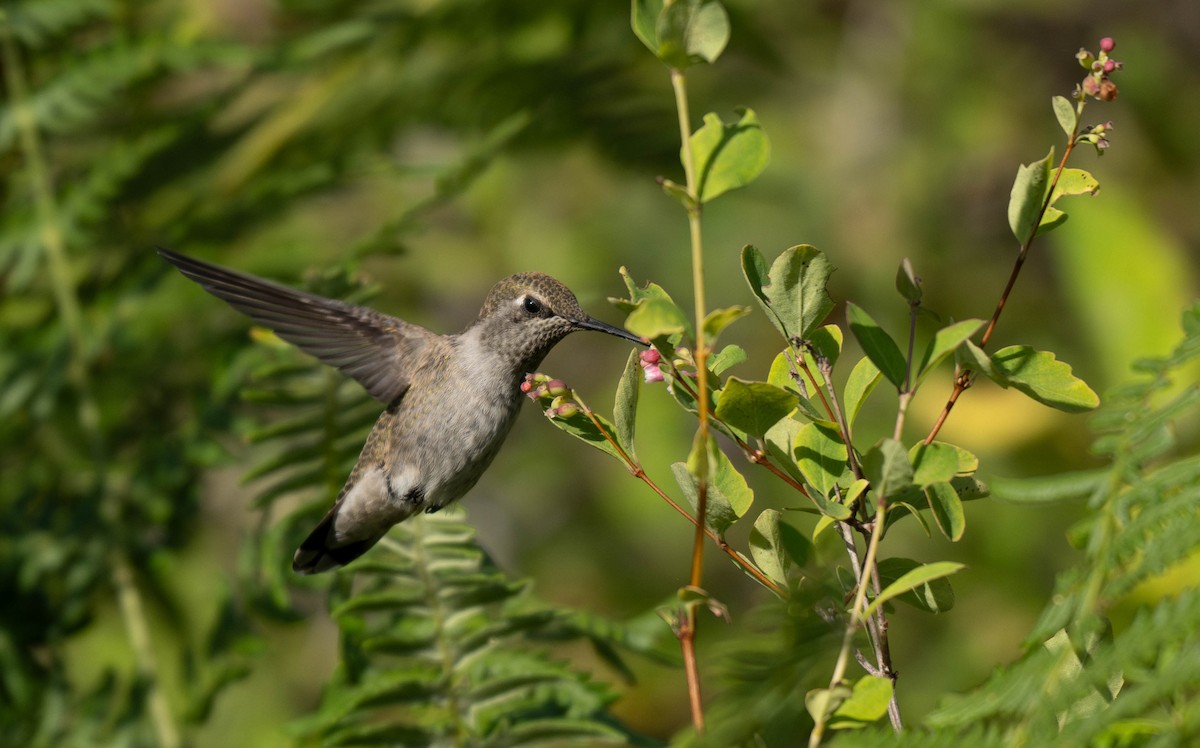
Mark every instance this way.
x=451 y=423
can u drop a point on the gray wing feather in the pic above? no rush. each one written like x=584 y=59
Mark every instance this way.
x=375 y=349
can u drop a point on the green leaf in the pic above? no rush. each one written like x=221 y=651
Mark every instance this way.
x=779 y=439
x=821 y=702
x=729 y=497
x=793 y=292
x=933 y=596
x=581 y=427
x=1064 y=111
x=821 y=456
x=625 y=404
x=868 y=702
x=970 y=356
x=644 y=18
x=1074 y=182
x=691 y=31
x=863 y=378
x=877 y=344
x=1070 y=182
x=826 y=342
x=907 y=282
x=919 y=576
x=946 y=341
x=728 y=156
x=1028 y=194
x=638 y=294
x=730 y=355
x=933 y=463
x=754 y=407
x=1051 y=219
x=1042 y=377
x=775 y=546
x=656 y=318
x=947 y=510
x=717 y=320
x=887 y=467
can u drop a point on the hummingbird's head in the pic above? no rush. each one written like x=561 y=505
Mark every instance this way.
x=530 y=312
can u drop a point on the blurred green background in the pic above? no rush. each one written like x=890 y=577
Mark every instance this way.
x=431 y=148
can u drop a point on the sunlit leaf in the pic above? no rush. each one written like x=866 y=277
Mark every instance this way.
x=728 y=156
x=1042 y=377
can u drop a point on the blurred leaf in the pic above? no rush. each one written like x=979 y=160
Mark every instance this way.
x=877 y=344
x=1048 y=489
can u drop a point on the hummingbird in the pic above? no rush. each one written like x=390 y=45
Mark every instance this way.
x=450 y=399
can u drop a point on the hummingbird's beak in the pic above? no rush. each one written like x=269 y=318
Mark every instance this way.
x=587 y=323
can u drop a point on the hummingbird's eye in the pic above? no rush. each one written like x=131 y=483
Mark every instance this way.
x=532 y=305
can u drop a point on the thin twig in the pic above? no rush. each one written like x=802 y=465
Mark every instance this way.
x=963 y=377
x=856 y=619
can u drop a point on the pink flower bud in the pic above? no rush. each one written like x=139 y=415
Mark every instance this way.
x=650 y=360
x=556 y=387
x=1109 y=66
x=1107 y=44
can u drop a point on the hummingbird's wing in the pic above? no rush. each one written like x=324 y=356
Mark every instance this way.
x=375 y=349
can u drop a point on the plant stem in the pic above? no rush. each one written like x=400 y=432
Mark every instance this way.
x=962 y=379
x=639 y=472
x=687 y=632
x=856 y=619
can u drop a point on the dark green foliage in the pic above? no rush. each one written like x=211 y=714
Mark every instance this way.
x=440 y=647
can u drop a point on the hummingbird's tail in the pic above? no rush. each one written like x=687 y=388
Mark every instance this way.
x=316 y=554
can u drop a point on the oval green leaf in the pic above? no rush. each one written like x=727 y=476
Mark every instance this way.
x=877 y=344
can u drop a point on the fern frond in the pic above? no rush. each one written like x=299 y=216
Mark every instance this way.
x=1082 y=683
x=442 y=647
x=35 y=22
